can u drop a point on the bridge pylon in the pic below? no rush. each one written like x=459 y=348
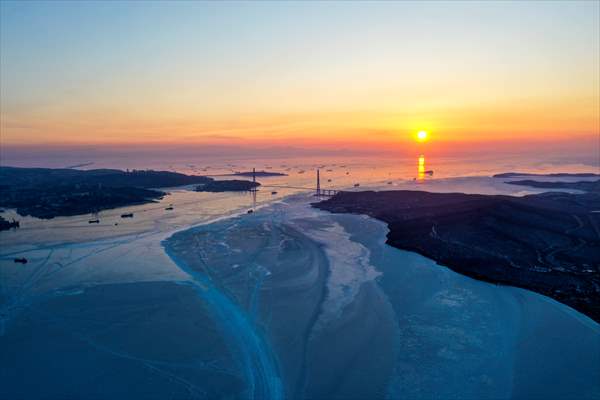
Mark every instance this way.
x=318 y=183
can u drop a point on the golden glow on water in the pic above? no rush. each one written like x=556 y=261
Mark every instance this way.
x=421 y=168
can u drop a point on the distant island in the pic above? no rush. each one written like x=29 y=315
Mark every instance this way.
x=548 y=243
x=227 y=186
x=261 y=174
x=30 y=177
x=48 y=193
x=558 y=175
x=584 y=186
x=87 y=164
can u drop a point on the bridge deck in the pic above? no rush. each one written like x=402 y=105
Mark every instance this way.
x=322 y=192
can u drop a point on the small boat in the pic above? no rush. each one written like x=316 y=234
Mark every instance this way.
x=301 y=171
x=127 y=215
x=273 y=193
x=328 y=180
x=11 y=224
x=356 y=184
x=94 y=221
x=389 y=183
x=21 y=260
x=169 y=208
x=429 y=172
x=329 y=170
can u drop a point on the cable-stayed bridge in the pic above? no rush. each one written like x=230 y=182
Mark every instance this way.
x=318 y=191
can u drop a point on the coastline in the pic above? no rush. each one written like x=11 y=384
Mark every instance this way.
x=544 y=243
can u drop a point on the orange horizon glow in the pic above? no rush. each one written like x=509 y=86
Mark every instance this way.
x=271 y=82
x=541 y=123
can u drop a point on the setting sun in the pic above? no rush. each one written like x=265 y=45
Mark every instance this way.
x=422 y=136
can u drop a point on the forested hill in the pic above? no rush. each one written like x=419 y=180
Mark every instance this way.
x=30 y=177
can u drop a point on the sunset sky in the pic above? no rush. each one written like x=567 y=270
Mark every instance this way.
x=303 y=74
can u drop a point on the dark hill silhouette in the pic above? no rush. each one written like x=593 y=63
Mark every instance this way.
x=48 y=193
x=548 y=243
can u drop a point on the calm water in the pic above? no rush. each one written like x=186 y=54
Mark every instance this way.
x=287 y=302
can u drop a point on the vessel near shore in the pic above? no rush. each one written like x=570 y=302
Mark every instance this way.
x=6 y=225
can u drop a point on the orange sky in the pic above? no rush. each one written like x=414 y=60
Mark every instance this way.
x=351 y=74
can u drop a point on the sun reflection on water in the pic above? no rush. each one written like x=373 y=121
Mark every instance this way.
x=421 y=168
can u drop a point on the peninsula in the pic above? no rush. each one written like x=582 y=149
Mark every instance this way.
x=548 y=243
x=48 y=193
